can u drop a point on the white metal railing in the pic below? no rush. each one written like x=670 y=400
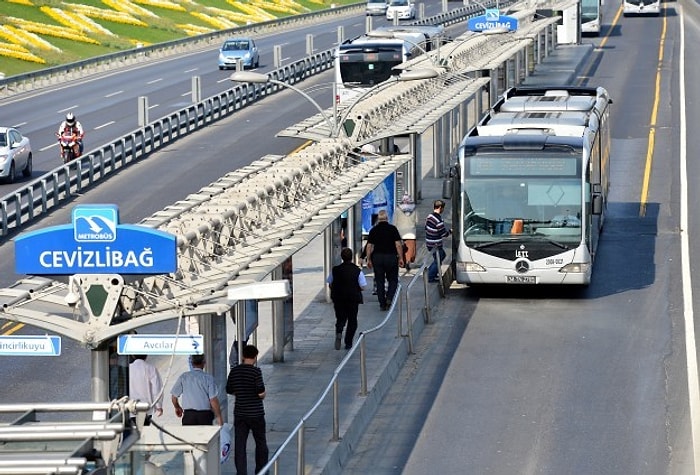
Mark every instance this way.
x=396 y=310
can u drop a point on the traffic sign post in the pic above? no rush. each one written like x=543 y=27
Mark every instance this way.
x=30 y=345
x=160 y=344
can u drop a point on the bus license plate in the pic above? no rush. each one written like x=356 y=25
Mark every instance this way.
x=520 y=279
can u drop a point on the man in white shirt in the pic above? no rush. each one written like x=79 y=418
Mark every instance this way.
x=145 y=385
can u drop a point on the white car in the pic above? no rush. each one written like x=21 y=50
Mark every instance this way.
x=401 y=9
x=376 y=7
x=15 y=155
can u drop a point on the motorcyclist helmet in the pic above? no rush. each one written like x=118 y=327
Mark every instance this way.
x=70 y=119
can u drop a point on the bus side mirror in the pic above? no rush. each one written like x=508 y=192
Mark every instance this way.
x=447 y=189
x=597 y=200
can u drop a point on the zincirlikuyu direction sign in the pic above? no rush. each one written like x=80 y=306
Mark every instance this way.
x=95 y=243
x=30 y=345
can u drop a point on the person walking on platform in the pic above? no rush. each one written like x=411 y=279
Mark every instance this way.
x=245 y=383
x=200 y=396
x=435 y=232
x=146 y=385
x=405 y=220
x=385 y=256
x=346 y=281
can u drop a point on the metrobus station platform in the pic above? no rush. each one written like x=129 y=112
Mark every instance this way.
x=304 y=380
x=301 y=388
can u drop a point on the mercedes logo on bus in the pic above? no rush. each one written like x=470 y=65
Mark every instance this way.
x=522 y=267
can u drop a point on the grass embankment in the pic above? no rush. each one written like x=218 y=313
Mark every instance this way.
x=35 y=34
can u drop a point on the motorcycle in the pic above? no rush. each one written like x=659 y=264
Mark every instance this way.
x=67 y=142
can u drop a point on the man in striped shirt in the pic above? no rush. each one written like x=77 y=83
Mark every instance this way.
x=435 y=232
x=245 y=382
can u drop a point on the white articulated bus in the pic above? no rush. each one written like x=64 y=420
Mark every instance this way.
x=591 y=16
x=641 y=7
x=368 y=60
x=530 y=188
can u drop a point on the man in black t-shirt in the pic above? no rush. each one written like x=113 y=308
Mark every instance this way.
x=245 y=382
x=385 y=256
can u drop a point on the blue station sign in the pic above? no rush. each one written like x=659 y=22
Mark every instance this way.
x=95 y=243
x=491 y=20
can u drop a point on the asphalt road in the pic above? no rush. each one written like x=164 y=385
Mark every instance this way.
x=534 y=381
x=550 y=381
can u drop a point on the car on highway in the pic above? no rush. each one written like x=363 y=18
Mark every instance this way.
x=15 y=154
x=401 y=9
x=234 y=49
x=376 y=7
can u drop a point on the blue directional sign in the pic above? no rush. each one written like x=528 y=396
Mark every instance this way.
x=491 y=20
x=30 y=345
x=160 y=344
x=95 y=243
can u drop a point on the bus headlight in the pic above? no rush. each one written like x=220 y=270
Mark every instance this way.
x=576 y=268
x=463 y=266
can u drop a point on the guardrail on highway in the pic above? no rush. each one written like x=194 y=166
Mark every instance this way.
x=61 y=184
x=58 y=186
x=79 y=69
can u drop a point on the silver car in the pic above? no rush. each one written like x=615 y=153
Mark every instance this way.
x=15 y=155
x=376 y=7
x=235 y=49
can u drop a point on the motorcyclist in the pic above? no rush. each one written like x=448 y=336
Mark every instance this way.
x=73 y=126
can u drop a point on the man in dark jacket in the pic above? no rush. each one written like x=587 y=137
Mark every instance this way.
x=347 y=282
x=385 y=256
x=245 y=382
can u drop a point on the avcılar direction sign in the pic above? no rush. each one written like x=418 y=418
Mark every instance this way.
x=160 y=344
x=95 y=243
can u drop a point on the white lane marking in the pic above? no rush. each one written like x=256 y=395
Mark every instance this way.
x=191 y=70
x=55 y=144
x=104 y=125
x=154 y=81
x=691 y=353
x=18 y=125
x=61 y=111
x=115 y=93
x=153 y=106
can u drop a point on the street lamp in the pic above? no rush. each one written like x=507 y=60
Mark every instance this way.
x=334 y=125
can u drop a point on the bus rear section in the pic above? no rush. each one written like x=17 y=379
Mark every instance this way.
x=370 y=59
x=591 y=17
x=530 y=189
x=641 y=7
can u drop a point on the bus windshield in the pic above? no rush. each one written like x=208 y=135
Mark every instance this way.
x=525 y=207
x=369 y=66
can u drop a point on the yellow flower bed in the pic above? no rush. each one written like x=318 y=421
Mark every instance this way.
x=194 y=30
x=276 y=8
x=125 y=6
x=257 y=14
x=162 y=4
x=75 y=21
x=50 y=30
x=22 y=2
x=18 y=52
x=109 y=15
x=239 y=18
x=217 y=22
x=19 y=37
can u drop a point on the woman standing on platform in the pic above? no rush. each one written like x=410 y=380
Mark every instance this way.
x=405 y=219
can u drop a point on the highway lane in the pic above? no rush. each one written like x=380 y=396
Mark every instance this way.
x=566 y=383
x=553 y=381
x=107 y=103
x=139 y=191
